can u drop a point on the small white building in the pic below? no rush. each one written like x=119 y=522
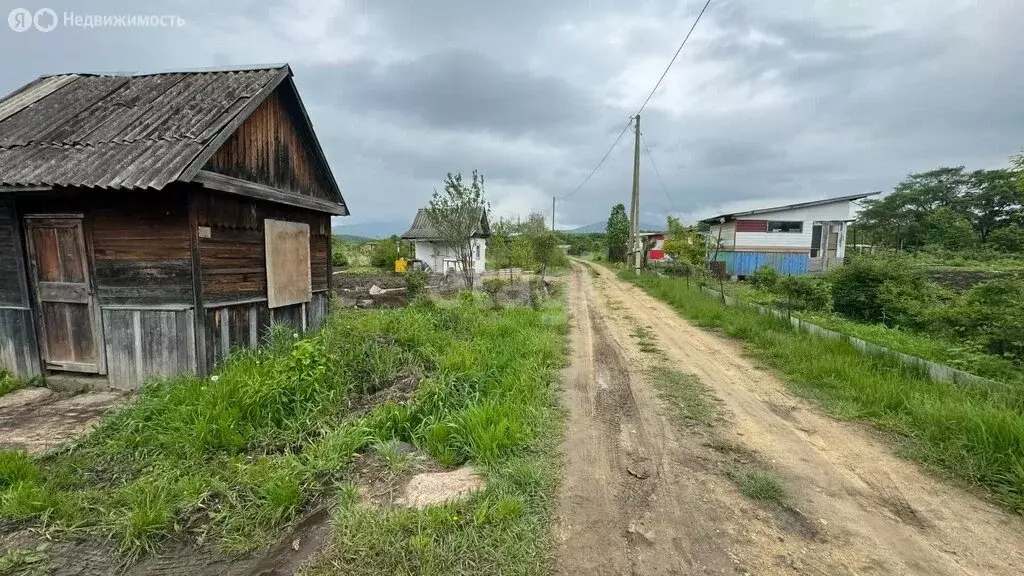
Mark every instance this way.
x=440 y=258
x=795 y=239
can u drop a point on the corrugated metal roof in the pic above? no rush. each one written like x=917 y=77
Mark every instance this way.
x=421 y=228
x=732 y=216
x=139 y=131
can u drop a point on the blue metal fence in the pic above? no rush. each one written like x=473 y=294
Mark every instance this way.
x=745 y=263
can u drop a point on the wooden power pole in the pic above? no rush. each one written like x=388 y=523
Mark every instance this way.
x=635 y=251
x=552 y=213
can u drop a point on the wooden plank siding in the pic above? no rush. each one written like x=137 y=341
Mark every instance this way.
x=233 y=259
x=272 y=147
x=138 y=241
x=142 y=344
x=12 y=273
x=246 y=325
x=142 y=251
x=19 y=350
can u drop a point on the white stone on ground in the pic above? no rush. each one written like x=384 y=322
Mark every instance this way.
x=432 y=488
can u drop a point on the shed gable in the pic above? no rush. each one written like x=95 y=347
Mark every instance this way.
x=276 y=147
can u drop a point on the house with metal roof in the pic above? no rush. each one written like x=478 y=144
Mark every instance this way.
x=151 y=223
x=808 y=237
x=441 y=258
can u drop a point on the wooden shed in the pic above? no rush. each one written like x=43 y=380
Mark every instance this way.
x=151 y=223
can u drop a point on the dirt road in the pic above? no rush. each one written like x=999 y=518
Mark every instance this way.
x=648 y=492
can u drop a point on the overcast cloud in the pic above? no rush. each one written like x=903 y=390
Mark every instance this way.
x=770 y=102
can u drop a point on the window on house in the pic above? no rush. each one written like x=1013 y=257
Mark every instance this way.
x=785 y=226
x=477 y=251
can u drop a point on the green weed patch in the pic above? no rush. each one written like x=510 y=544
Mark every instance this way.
x=237 y=457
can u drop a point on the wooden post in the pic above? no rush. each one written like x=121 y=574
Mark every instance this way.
x=199 y=318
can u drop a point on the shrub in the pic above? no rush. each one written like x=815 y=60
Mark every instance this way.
x=765 y=278
x=915 y=304
x=857 y=284
x=1008 y=239
x=493 y=285
x=805 y=293
x=992 y=313
x=415 y=283
x=8 y=382
x=384 y=254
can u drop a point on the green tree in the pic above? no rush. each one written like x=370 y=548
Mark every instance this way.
x=947 y=228
x=384 y=254
x=455 y=216
x=1008 y=239
x=521 y=252
x=543 y=246
x=994 y=200
x=617 y=234
x=685 y=244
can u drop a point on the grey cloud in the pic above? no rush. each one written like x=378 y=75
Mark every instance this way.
x=502 y=87
x=460 y=90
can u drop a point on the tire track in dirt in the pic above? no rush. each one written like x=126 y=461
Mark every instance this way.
x=872 y=512
x=622 y=509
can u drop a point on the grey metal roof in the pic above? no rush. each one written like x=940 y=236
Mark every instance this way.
x=117 y=131
x=734 y=215
x=421 y=228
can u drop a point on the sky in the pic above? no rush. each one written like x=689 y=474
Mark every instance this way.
x=770 y=102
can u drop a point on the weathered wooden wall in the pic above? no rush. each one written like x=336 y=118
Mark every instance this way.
x=233 y=258
x=247 y=325
x=19 y=351
x=141 y=250
x=140 y=256
x=272 y=148
x=12 y=278
x=140 y=247
x=143 y=343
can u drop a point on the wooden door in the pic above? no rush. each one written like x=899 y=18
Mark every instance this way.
x=67 y=312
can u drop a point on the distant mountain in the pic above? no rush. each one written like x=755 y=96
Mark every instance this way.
x=600 y=227
x=382 y=229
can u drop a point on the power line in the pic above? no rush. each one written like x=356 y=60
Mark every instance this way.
x=674 y=56
x=655 y=166
x=603 y=158
x=644 y=105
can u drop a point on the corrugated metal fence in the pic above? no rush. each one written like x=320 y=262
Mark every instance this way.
x=745 y=263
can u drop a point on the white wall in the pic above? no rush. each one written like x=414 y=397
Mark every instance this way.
x=836 y=211
x=728 y=235
x=435 y=255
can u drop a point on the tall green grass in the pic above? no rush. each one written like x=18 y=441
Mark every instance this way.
x=8 y=382
x=972 y=434
x=957 y=354
x=236 y=457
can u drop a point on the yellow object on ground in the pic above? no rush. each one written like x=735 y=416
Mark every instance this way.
x=400 y=265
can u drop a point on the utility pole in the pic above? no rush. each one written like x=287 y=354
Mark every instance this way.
x=552 y=213
x=636 y=252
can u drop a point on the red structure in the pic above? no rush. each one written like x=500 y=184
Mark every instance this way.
x=655 y=241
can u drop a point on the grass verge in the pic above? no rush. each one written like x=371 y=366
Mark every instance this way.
x=972 y=434
x=958 y=355
x=234 y=459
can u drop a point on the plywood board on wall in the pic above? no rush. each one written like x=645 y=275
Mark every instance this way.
x=288 y=273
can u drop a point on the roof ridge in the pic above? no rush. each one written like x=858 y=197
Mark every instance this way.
x=201 y=70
